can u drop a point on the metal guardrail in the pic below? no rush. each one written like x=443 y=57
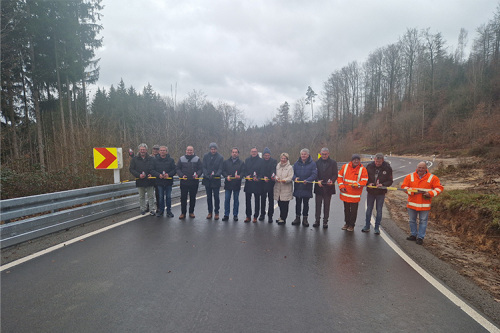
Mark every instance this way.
x=58 y=211
x=53 y=212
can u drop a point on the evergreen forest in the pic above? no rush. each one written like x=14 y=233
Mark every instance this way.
x=416 y=95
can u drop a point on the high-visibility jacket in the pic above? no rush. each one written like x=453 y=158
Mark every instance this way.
x=417 y=201
x=349 y=176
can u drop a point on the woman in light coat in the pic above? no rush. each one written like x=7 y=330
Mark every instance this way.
x=283 y=188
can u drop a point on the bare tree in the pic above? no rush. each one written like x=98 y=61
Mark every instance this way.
x=299 y=111
x=411 y=47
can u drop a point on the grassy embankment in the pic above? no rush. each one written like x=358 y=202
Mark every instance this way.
x=471 y=213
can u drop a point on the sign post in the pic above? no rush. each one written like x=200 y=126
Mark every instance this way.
x=109 y=159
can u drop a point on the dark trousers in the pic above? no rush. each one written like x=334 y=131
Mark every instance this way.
x=350 y=213
x=213 y=192
x=248 y=204
x=323 y=200
x=268 y=194
x=191 y=190
x=283 y=205
x=298 y=206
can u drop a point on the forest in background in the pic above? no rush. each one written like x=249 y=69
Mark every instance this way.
x=412 y=96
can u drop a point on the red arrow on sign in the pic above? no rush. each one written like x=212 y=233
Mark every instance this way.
x=108 y=158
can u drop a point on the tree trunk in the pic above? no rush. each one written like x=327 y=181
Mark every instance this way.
x=12 y=117
x=26 y=114
x=87 y=117
x=36 y=102
x=71 y=127
x=61 y=108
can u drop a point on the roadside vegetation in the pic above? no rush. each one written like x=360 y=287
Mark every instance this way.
x=418 y=94
x=470 y=207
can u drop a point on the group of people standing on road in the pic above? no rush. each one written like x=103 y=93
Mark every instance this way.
x=267 y=180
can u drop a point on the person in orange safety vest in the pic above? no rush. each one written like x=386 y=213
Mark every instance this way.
x=421 y=187
x=351 y=178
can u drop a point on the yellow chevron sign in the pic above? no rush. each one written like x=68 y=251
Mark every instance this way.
x=108 y=158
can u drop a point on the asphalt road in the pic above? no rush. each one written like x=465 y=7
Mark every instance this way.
x=165 y=275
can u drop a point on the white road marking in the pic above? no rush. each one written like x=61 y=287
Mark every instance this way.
x=71 y=241
x=437 y=284
x=74 y=240
x=400 y=177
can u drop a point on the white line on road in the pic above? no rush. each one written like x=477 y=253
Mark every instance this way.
x=71 y=241
x=74 y=240
x=437 y=284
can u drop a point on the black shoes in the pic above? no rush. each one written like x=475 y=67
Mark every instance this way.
x=235 y=218
x=420 y=241
x=225 y=218
x=170 y=214
x=304 y=221
x=411 y=238
x=261 y=218
x=296 y=221
x=316 y=224
x=270 y=219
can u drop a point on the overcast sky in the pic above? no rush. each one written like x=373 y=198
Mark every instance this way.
x=258 y=54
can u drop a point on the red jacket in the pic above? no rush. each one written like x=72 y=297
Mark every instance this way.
x=417 y=201
x=349 y=176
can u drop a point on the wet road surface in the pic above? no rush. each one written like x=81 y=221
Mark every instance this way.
x=166 y=275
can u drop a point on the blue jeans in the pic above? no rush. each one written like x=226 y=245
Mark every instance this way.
x=236 y=202
x=422 y=224
x=164 y=192
x=213 y=191
x=370 y=201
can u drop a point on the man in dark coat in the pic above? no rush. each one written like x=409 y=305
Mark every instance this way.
x=323 y=190
x=232 y=171
x=164 y=170
x=141 y=166
x=212 y=171
x=155 y=153
x=189 y=168
x=304 y=173
x=379 y=174
x=268 y=174
x=253 y=165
